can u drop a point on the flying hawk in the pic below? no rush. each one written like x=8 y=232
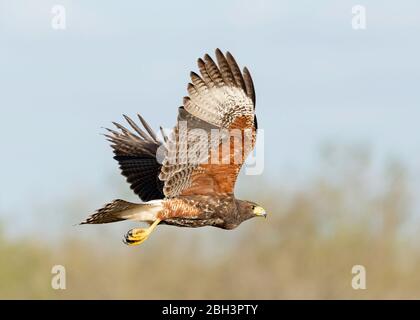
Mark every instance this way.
x=188 y=179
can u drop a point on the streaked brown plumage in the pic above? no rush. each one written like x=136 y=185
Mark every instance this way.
x=176 y=190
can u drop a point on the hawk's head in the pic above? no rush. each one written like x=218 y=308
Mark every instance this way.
x=249 y=209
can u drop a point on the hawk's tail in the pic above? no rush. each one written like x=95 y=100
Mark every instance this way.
x=119 y=210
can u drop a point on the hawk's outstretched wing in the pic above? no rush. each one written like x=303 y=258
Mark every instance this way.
x=222 y=98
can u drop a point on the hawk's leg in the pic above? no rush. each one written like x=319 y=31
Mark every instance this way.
x=136 y=236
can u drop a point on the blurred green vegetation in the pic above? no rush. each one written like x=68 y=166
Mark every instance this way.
x=305 y=249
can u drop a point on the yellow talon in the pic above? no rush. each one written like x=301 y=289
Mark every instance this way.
x=137 y=236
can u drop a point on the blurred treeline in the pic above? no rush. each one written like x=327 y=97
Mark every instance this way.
x=347 y=215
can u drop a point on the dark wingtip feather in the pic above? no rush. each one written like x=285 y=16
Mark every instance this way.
x=200 y=62
x=237 y=74
x=225 y=69
x=148 y=128
x=250 y=90
x=121 y=127
x=207 y=56
x=135 y=127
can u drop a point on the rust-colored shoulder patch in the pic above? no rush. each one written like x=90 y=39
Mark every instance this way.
x=178 y=208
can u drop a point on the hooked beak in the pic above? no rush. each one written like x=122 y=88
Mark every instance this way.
x=260 y=212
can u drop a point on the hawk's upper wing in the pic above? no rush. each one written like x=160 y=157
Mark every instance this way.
x=222 y=98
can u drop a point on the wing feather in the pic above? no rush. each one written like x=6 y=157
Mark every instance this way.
x=237 y=74
x=249 y=85
x=203 y=71
x=213 y=71
x=226 y=72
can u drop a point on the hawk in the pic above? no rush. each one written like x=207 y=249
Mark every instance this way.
x=188 y=178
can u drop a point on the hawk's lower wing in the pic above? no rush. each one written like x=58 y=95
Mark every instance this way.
x=136 y=155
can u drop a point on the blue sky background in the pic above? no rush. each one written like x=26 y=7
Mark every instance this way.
x=317 y=81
